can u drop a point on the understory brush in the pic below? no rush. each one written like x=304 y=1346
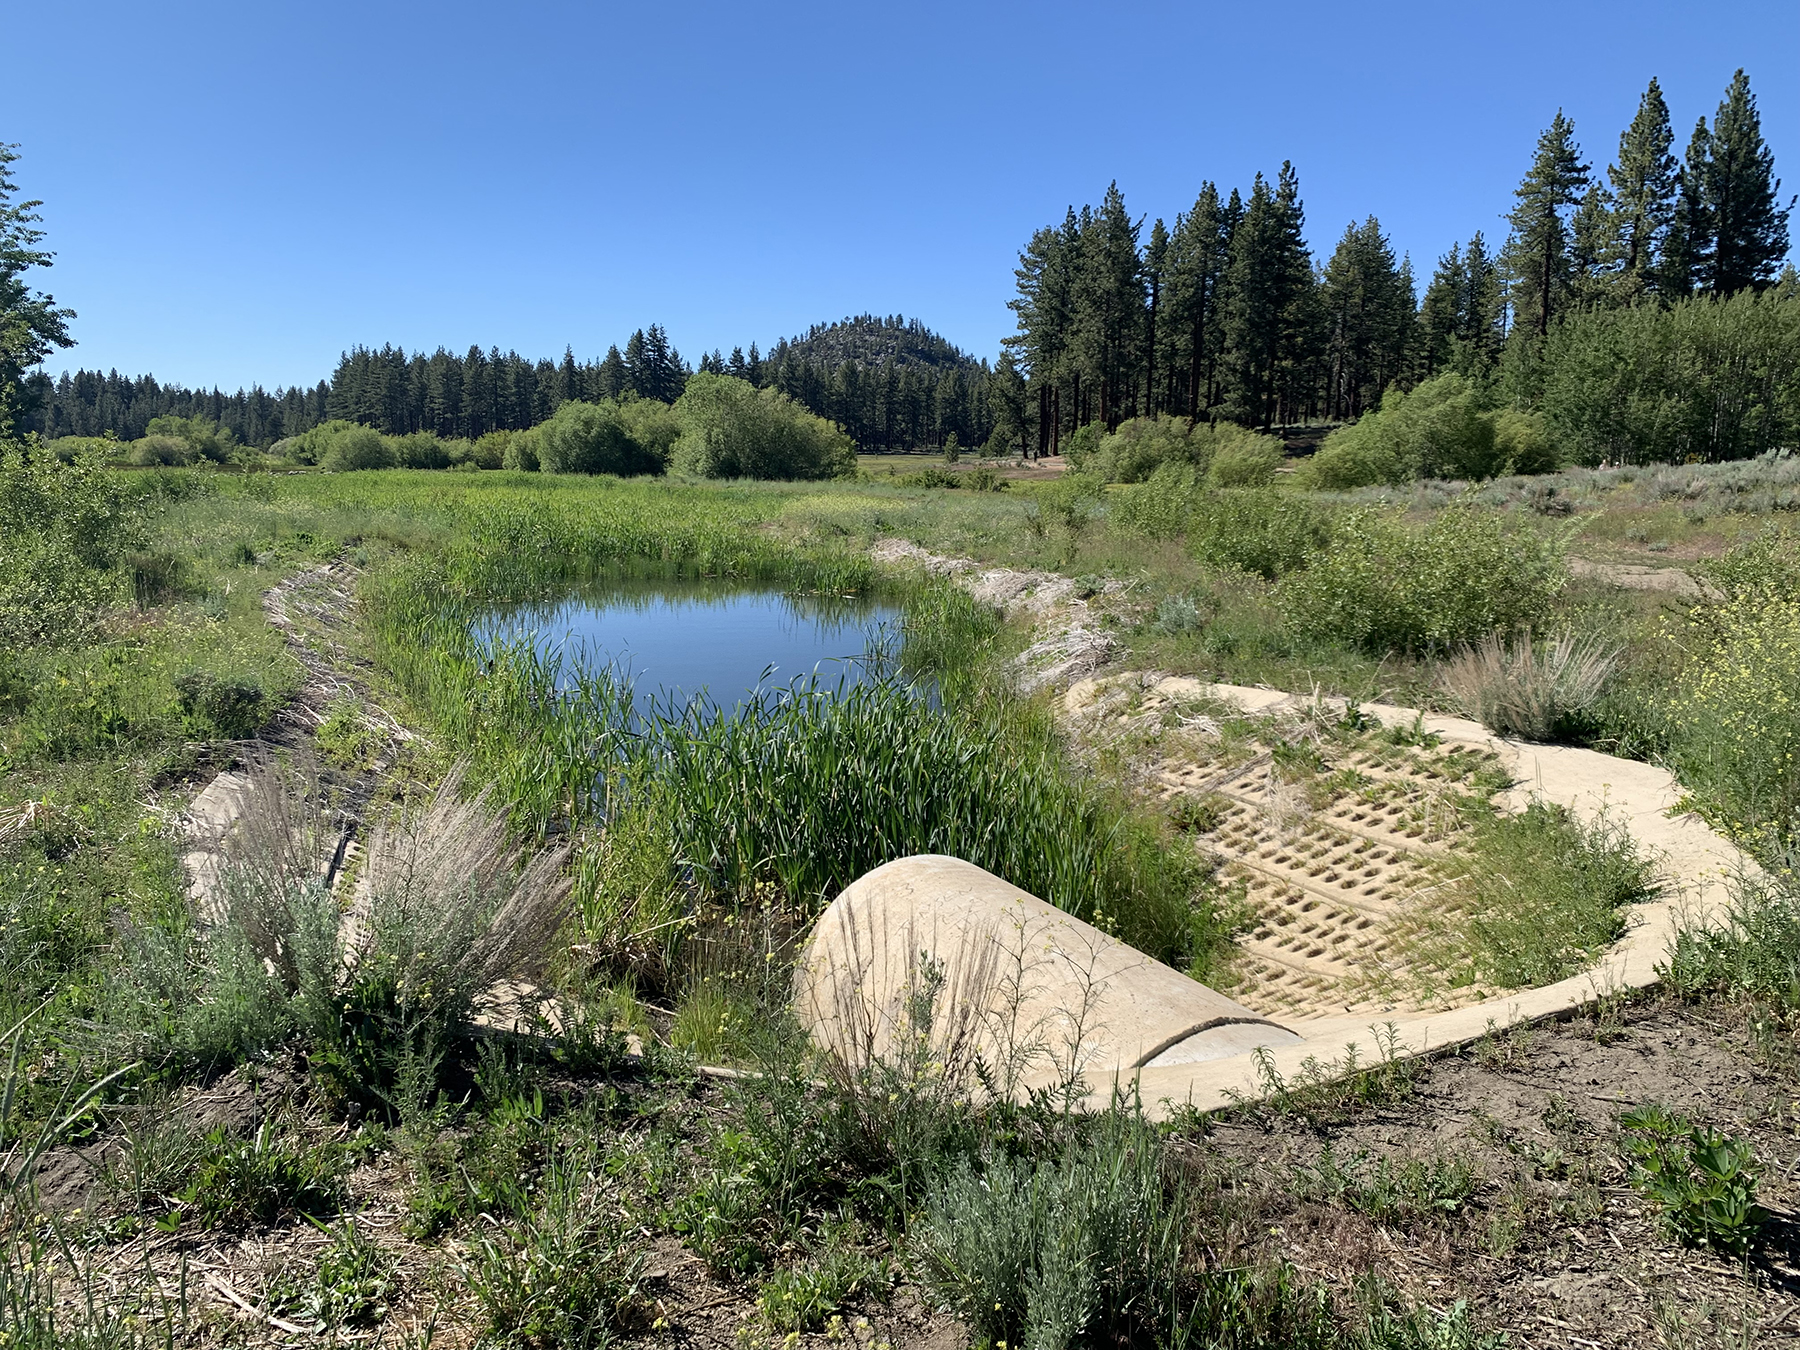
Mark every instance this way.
x=1752 y=955
x=1384 y=584
x=1734 y=718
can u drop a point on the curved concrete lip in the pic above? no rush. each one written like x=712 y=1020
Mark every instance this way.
x=1131 y=1023
x=931 y=959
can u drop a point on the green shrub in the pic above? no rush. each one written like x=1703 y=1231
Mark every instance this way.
x=1523 y=444
x=654 y=425
x=591 y=438
x=1136 y=450
x=1386 y=585
x=1078 y=1249
x=227 y=708
x=419 y=450
x=521 y=451
x=1443 y=428
x=489 y=450
x=1158 y=507
x=168 y=451
x=356 y=447
x=205 y=438
x=731 y=429
x=1735 y=716
x=1269 y=534
x=1702 y=1182
x=1081 y=449
x=1245 y=461
x=64 y=531
x=1768 y=564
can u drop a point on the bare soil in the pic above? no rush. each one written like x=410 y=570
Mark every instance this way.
x=1554 y=1247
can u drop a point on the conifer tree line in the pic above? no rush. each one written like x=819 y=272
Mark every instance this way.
x=1227 y=315
x=892 y=383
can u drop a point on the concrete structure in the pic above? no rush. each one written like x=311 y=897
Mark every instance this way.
x=1036 y=988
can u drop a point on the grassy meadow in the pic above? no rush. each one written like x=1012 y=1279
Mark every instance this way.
x=414 y=1177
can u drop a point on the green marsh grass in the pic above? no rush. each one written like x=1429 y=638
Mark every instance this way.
x=799 y=791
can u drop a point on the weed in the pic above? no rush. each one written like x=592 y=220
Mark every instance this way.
x=1537 y=895
x=566 y=1274
x=1321 y=1092
x=350 y=1285
x=345 y=738
x=801 y=1297
x=260 y=1179
x=1703 y=1182
x=1753 y=955
x=1387 y=1188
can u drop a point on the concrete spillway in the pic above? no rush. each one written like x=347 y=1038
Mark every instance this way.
x=932 y=953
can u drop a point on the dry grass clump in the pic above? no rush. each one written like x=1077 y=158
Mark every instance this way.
x=447 y=910
x=1528 y=688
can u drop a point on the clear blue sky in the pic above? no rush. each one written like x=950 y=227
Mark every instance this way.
x=237 y=192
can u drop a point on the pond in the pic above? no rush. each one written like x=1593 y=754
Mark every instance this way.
x=719 y=642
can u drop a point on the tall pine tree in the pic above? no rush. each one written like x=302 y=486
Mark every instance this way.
x=1538 y=255
x=1644 y=184
x=1748 y=224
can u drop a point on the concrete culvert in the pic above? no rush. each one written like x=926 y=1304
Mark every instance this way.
x=931 y=962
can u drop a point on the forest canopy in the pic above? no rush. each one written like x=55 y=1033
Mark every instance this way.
x=1635 y=313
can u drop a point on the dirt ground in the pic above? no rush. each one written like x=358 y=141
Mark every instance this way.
x=1554 y=1247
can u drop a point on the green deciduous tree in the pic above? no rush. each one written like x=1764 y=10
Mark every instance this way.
x=31 y=324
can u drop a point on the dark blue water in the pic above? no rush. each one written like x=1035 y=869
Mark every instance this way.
x=678 y=642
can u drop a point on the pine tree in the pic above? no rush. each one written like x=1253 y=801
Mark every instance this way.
x=1644 y=184
x=1538 y=254
x=1109 y=307
x=1369 y=314
x=1689 y=242
x=1272 y=321
x=1748 y=224
x=1192 y=315
x=1595 y=255
x=1484 y=307
x=1156 y=258
x=1441 y=314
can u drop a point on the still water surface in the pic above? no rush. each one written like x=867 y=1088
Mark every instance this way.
x=682 y=641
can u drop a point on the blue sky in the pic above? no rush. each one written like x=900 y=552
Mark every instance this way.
x=238 y=192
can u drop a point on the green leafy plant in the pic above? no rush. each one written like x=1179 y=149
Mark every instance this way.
x=351 y=1284
x=800 y=1297
x=1702 y=1181
x=261 y=1178
x=565 y=1274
